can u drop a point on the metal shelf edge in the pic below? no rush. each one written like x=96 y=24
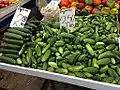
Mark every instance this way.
x=12 y=8
x=59 y=77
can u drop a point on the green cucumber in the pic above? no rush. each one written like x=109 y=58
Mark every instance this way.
x=11 y=56
x=14 y=36
x=7 y=60
x=13 y=41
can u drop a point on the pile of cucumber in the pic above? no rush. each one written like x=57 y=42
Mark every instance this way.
x=88 y=51
x=13 y=40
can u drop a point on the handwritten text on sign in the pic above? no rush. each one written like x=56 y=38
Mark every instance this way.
x=67 y=18
x=20 y=17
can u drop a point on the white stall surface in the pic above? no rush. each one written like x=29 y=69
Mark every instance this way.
x=59 y=77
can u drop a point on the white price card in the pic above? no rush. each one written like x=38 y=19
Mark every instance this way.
x=53 y=3
x=20 y=17
x=67 y=18
x=119 y=42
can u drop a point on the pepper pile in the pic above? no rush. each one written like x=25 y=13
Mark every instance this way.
x=87 y=7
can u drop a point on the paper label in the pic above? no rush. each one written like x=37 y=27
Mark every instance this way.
x=67 y=18
x=20 y=17
x=53 y=3
x=119 y=42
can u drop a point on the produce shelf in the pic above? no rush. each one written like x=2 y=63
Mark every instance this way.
x=59 y=77
x=8 y=11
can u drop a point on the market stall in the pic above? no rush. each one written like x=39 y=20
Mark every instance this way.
x=82 y=49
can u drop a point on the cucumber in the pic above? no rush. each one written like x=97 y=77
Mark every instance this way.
x=61 y=71
x=59 y=43
x=88 y=75
x=107 y=54
x=111 y=47
x=53 y=64
x=38 y=50
x=75 y=68
x=92 y=70
x=66 y=35
x=11 y=35
x=8 y=51
x=18 y=32
x=22 y=50
x=46 y=56
x=80 y=74
x=13 y=41
x=11 y=56
x=104 y=61
x=89 y=40
x=22 y=29
x=7 y=60
x=104 y=69
x=31 y=25
x=10 y=46
x=89 y=49
x=71 y=74
x=112 y=73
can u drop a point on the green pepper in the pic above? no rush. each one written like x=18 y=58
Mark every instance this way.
x=114 y=11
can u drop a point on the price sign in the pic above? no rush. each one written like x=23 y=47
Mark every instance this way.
x=119 y=42
x=20 y=17
x=53 y=3
x=67 y=18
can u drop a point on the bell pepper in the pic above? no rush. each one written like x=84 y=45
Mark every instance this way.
x=114 y=11
x=105 y=10
x=117 y=5
x=89 y=8
x=111 y=3
x=64 y=3
x=81 y=1
x=97 y=2
x=88 y=1
x=70 y=1
x=104 y=2
x=73 y=4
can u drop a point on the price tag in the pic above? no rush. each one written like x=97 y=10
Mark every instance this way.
x=119 y=42
x=53 y=3
x=20 y=17
x=67 y=18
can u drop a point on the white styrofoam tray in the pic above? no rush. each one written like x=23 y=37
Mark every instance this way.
x=59 y=77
